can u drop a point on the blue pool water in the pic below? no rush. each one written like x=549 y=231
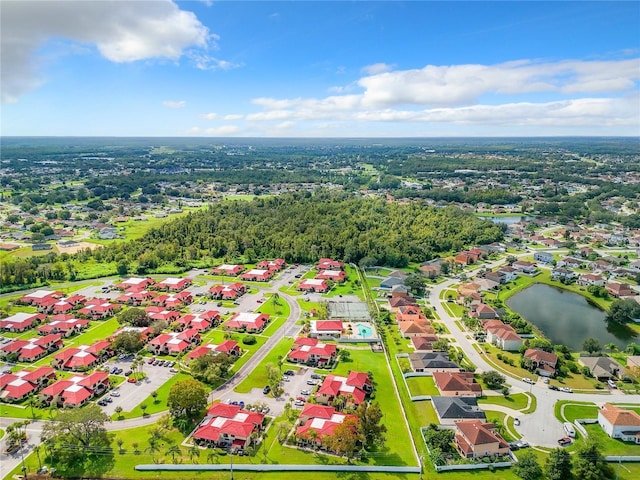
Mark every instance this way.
x=364 y=330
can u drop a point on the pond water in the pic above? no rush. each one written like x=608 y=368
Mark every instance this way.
x=507 y=219
x=566 y=317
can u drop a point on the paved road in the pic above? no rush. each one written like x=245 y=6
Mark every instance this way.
x=540 y=427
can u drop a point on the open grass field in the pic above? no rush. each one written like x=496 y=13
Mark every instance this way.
x=517 y=401
x=422 y=386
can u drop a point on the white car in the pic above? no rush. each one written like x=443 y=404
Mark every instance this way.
x=528 y=380
x=566 y=390
x=299 y=403
x=115 y=394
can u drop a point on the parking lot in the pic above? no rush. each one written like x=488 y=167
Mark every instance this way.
x=132 y=394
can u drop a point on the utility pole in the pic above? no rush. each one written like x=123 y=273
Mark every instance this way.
x=231 y=461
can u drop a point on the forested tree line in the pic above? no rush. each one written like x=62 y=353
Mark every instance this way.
x=299 y=227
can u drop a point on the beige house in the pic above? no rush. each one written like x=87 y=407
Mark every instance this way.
x=477 y=439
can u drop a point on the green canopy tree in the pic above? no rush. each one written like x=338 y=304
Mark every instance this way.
x=558 y=465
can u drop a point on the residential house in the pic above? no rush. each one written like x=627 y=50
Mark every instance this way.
x=524 y=266
x=508 y=273
x=333 y=275
x=228 y=270
x=257 y=275
x=135 y=283
x=75 y=391
x=618 y=290
x=459 y=384
x=429 y=362
x=396 y=302
x=228 y=292
x=313 y=285
x=495 y=277
x=602 y=368
x=589 y=279
x=35 y=298
x=201 y=322
x=21 y=321
x=543 y=257
x=173 y=284
x=400 y=291
x=229 y=427
x=418 y=328
x=390 y=282
x=543 y=362
x=65 y=327
x=477 y=439
x=174 y=343
x=312 y=353
x=424 y=343
x=453 y=409
x=84 y=357
x=15 y=387
x=98 y=309
x=229 y=347
x=160 y=313
x=326 y=329
x=329 y=264
x=561 y=273
x=135 y=297
x=466 y=258
x=502 y=335
x=32 y=349
x=633 y=361
x=354 y=388
x=620 y=423
x=482 y=311
x=174 y=301
x=247 y=321
x=272 y=265
x=318 y=422
x=431 y=271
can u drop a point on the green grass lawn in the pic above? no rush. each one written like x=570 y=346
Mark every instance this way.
x=258 y=378
x=516 y=401
x=610 y=446
x=499 y=418
x=573 y=410
x=422 y=386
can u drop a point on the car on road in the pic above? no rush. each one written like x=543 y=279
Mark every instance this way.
x=108 y=399
x=113 y=370
x=266 y=390
x=553 y=387
x=568 y=428
x=119 y=371
x=566 y=390
x=516 y=421
x=528 y=380
x=564 y=441
x=173 y=370
x=102 y=403
x=305 y=392
x=115 y=394
x=522 y=444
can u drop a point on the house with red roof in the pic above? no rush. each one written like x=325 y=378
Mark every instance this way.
x=326 y=329
x=202 y=321
x=228 y=292
x=15 y=387
x=75 y=391
x=136 y=297
x=589 y=279
x=419 y=328
x=477 y=439
x=65 y=327
x=161 y=313
x=229 y=347
x=21 y=321
x=620 y=423
x=457 y=384
x=273 y=265
x=135 y=283
x=35 y=298
x=410 y=313
x=174 y=301
x=424 y=343
x=257 y=275
x=396 y=302
x=146 y=333
x=543 y=362
x=32 y=349
x=502 y=335
x=173 y=284
x=84 y=357
x=466 y=258
x=174 y=343
x=313 y=285
x=246 y=321
x=228 y=270
x=318 y=422
x=334 y=275
x=98 y=309
x=329 y=264
x=354 y=388
x=229 y=427
x=312 y=353
x=619 y=290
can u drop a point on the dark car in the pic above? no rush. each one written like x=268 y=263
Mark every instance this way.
x=128 y=372
x=266 y=389
x=564 y=441
x=553 y=387
x=316 y=376
x=289 y=372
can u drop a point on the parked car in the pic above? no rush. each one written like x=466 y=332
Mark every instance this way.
x=312 y=382
x=131 y=380
x=289 y=372
x=553 y=387
x=102 y=403
x=514 y=446
x=266 y=389
x=316 y=376
x=119 y=371
x=305 y=392
x=108 y=399
x=568 y=428
x=151 y=360
x=516 y=421
x=128 y=372
x=113 y=370
x=173 y=370
x=566 y=390
x=115 y=394
x=564 y=441
x=299 y=403
x=528 y=380
x=522 y=444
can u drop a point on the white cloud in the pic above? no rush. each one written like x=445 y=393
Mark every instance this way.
x=233 y=117
x=122 y=31
x=174 y=104
x=203 y=61
x=209 y=116
x=377 y=68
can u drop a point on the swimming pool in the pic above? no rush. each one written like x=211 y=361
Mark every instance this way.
x=364 y=330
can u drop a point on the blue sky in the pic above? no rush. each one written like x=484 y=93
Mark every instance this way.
x=319 y=69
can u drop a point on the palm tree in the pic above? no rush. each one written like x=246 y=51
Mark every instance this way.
x=194 y=451
x=120 y=441
x=153 y=447
x=612 y=347
x=135 y=447
x=173 y=450
x=118 y=411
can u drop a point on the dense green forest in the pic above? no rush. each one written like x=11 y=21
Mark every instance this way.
x=299 y=227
